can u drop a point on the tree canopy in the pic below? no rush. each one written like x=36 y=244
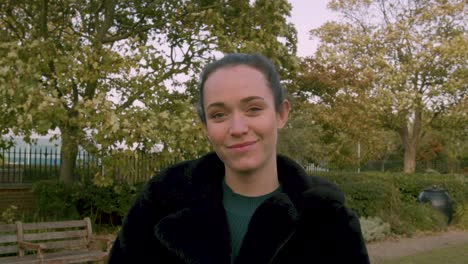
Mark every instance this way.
x=389 y=66
x=110 y=73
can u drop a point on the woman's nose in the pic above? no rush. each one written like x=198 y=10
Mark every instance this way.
x=238 y=125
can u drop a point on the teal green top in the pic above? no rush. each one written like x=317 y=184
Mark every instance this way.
x=239 y=210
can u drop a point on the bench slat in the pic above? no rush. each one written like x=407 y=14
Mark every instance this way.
x=76 y=256
x=7 y=238
x=17 y=260
x=54 y=225
x=8 y=249
x=55 y=235
x=67 y=244
x=7 y=228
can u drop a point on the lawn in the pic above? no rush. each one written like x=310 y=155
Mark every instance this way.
x=449 y=255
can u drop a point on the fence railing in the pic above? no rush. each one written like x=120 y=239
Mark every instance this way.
x=24 y=165
x=133 y=167
x=439 y=166
x=19 y=165
x=27 y=165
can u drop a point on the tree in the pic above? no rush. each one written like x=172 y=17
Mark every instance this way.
x=450 y=131
x=301 y=138
x=110 y=73
x=402 y=64
x=334 y=117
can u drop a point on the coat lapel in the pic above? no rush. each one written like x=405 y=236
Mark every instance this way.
x=270 y=228
x=197 y=235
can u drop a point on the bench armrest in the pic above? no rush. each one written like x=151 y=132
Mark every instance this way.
x=32 y=246
x=102 y=238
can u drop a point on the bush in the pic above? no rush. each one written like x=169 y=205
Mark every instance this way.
x=105 y=205
x=392 y=198
x=418 y=217
x=9 y=215
x=374 y=229
x=461 y=216
x=53 y=201
x=410 y=185
x=367 y=195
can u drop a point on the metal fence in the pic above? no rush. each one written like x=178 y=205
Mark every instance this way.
x=24 y=165
x=27 y=165
x=133 y=167
x=431 y=166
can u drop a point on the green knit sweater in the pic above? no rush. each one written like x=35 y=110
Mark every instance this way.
x=239 y=210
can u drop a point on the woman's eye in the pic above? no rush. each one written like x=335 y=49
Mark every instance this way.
x=218 y=115
x=254 y=109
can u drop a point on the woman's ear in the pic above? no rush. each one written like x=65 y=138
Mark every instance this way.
x=283 y=113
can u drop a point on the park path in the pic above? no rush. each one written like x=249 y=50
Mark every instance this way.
x=401 y=247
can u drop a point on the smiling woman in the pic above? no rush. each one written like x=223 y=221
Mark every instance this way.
x=242 y=125
x=243 y=203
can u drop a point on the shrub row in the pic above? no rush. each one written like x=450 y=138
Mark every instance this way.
x=389 y=197
x=392 y=197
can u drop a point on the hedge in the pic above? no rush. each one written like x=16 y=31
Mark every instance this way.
x=393 y=198
x=388 y=196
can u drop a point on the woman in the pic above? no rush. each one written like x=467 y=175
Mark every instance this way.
x=243 y=203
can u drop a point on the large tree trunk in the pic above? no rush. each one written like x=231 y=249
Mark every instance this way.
x=69 y=151
x=410 y=135
x=410 y=159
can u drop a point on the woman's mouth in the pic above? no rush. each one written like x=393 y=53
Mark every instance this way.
x=242 y=146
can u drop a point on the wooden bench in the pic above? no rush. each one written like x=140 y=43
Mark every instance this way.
x=52 y=242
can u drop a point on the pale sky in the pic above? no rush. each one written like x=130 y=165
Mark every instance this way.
x=306 y=15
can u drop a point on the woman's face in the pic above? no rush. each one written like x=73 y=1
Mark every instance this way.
x=241 y=120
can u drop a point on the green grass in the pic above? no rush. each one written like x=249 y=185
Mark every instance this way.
x=449 y=255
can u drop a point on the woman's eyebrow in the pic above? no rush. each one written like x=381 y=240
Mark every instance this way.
x=251 y=98
x=243 y=101
x=216 y=104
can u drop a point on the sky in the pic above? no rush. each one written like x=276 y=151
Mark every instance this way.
x=306 y=15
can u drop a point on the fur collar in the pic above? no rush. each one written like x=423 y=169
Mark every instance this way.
x=196 y=227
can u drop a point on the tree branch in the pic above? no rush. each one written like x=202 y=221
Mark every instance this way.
x=111 y=39
x=109 y=9
x=43 y=19
x=75 y=93
x=14 y=30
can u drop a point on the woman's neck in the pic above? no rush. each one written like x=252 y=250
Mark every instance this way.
x=253 y=183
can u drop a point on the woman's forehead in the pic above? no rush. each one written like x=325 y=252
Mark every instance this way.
x=237 y=82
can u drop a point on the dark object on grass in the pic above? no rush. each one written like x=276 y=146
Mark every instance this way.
x=439 y=200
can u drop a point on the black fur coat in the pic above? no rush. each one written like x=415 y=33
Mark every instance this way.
x=179 y=218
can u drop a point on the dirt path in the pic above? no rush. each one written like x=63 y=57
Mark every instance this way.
x=409 y=246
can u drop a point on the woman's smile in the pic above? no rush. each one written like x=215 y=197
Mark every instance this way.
x=243 y=147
